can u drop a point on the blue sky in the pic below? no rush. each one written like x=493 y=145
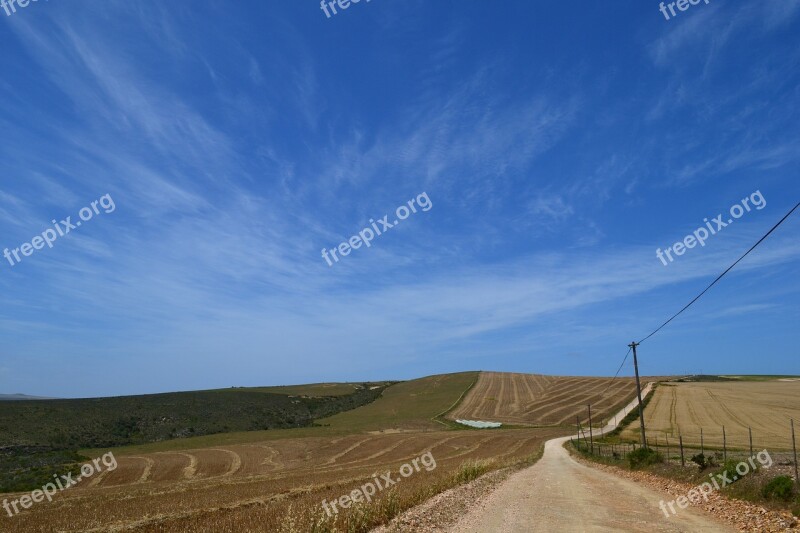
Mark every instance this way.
x=560 y=144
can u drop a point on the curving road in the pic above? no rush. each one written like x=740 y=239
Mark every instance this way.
x=560 y=494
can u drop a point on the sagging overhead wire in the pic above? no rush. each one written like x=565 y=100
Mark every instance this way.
x=721 y=275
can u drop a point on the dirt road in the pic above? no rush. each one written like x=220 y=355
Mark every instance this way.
x=560 y=494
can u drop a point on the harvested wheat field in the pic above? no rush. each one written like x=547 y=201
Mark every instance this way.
x=270 y=485
x=533 y=399
x=684 y=408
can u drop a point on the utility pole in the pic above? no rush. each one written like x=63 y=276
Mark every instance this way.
x=633 y=346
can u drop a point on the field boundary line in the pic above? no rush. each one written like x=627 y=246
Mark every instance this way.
x=441 y=415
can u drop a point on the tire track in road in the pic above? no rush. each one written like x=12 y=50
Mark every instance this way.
x=560 y=494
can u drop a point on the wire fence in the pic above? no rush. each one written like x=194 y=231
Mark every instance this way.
x=687 y=449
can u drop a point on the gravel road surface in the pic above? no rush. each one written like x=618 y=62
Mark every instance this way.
x=560 y=494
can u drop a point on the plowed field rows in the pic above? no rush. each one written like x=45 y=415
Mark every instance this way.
x=532 y=399
x=258 y=486
x=684 y=408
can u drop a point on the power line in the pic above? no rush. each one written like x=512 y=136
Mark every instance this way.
x=623 y=363
x=721 y=275
x=617 y=374
x=702 y=293
x=767 y=234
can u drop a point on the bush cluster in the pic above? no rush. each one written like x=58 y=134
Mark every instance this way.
x=779 y=488
x=644 y=457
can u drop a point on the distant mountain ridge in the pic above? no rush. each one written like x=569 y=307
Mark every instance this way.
x=18 y=396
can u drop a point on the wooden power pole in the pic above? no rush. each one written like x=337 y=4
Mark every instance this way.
x=633 y=346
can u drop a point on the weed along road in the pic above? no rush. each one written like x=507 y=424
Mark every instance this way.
x=560 y=494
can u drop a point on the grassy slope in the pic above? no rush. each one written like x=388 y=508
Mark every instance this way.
x=406 y=405
x=409 y=405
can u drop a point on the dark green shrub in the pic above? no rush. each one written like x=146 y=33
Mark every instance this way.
x=728 y=470
x=644 y=457
x=779 y=488
x=700 y=460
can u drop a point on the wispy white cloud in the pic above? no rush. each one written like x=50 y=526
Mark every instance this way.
x=213 y=252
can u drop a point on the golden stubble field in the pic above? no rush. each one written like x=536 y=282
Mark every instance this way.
x=274 y=485
x=277 y=480
x=764 y=406
x=533 y=399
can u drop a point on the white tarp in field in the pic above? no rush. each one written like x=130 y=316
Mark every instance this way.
x=479 y=424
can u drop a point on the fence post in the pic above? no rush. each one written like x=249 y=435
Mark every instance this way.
x=683 y=461
x=724 y=445
x=702 y=448
x=667 y=439
x=794 y=449
x=591 y=437
x=750 y=432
